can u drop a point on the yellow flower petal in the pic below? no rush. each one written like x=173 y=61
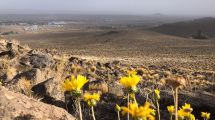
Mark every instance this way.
x=157 y=93
x=205 y=115
x=89 y=97
x=74 y=84
x=171 y=109
x=130 y=81
x=139 y=112
x=117 y=108
x=81 y=81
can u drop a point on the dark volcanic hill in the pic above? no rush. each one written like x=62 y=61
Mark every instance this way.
x=187 y=28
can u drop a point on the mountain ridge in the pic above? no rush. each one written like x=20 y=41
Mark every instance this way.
x=188 y=28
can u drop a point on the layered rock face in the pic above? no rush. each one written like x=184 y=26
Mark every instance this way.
x=15 y=106
x=38 y=74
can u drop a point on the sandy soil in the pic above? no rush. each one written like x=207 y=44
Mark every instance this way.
x=130 y=45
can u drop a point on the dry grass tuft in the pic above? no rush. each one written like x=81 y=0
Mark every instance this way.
x=11 y=72
x=25 y=86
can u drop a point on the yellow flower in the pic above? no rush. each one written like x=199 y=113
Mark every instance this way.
x=185 y=112
x=205 y=115
x=117 y=108
x=187 y=108
x=139 y=112
x=191 y=117
x=171 y=109
x=132 y=72
x=182 y=114
x=157 y=93
x=74 y=84
x=132 y=96
x=130 y=81
x=91 y=99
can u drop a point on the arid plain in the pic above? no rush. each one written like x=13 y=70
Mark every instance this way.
x=127 y=44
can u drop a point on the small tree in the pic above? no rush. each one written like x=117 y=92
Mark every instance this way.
x=199 y=35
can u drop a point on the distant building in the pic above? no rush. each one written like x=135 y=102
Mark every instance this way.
x=23 y=24
x=56 y=23
x=31 y=28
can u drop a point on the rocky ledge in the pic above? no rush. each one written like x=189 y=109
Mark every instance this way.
x=15 y=106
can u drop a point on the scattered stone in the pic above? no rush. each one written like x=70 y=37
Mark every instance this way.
x=116 y=89
x=10 y=54
x=108 y=65
x=48 y=89
x=35 y=75
x=41 y=60
x=140 y=72
x=99 y=65
x=116 y=62
x=98 y=86
x=73 y=59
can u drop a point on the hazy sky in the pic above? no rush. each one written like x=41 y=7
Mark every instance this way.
x=195 y=7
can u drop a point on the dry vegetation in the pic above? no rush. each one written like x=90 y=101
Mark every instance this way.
x=130 y=45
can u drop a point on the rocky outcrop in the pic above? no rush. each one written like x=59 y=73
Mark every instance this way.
x=19 y=107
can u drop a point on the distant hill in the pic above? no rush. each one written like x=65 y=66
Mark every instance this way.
x=187 y=28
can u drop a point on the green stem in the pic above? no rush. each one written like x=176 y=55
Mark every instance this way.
x=118 y=115
x=128 y=100
x=147 y=97
x=135 y=100
x=170 y=117
x=79 y=108
x=176 y=103
x=93 y=113
x=173 y=91
x=158 y=109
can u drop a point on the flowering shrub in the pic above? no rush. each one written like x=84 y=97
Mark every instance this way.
x=74 y=86
x=139 y=112
x=134 y=111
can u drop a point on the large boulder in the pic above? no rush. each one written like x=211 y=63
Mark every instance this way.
x=50 y=92
x=19 y=107
x=34 y=75
x=12 y=48
x=3 y=44
x=41 y=60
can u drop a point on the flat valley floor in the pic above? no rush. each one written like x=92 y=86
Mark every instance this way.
x=129 y=45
